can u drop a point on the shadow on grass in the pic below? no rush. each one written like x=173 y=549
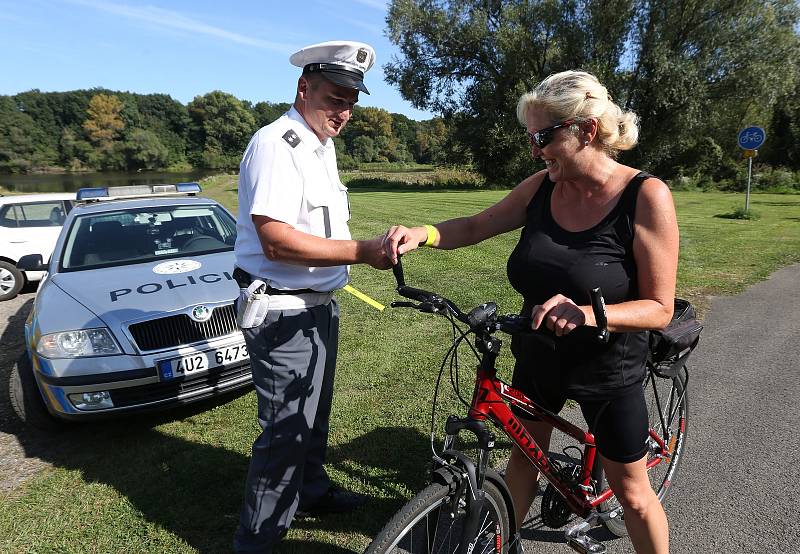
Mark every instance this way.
x=194 y=490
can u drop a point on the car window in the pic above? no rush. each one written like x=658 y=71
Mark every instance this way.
x=146 y=234
x=34 y=214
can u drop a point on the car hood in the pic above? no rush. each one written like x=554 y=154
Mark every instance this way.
x=123 y=294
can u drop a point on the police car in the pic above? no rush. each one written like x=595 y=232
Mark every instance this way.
x=136 y=310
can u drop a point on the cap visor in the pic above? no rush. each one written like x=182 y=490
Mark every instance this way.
x=345 y=80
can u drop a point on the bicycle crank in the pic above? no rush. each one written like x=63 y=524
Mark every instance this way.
x=579 y=541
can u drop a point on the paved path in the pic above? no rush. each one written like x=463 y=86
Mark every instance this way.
x=737 y=488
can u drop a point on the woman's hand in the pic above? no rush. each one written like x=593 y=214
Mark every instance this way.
x=398 y=240
x=559 y=314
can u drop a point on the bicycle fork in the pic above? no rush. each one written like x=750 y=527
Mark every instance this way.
x=469 y=482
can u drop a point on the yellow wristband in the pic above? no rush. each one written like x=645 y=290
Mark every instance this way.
x=431 y=235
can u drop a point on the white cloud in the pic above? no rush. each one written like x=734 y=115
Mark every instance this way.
x=379 y=4
x=372 y=28
x=174 y=20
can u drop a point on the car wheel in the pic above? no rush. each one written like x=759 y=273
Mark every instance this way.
x=11 y=280
x=26 y=398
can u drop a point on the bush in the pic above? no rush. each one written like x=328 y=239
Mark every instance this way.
x=427 y=180
x=741 y=213
x=345 y=161
x=775 y=179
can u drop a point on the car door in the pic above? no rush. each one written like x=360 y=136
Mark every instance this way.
x=31 y=228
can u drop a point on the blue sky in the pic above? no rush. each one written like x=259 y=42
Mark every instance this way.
x=185 y=48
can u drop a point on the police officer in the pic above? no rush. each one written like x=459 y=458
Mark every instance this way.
x=293 y=235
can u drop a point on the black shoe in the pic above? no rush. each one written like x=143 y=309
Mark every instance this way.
x=335 y=501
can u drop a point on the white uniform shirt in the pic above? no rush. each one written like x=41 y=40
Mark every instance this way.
x=287 y=174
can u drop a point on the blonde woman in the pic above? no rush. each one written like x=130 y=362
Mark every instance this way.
x=587 y=221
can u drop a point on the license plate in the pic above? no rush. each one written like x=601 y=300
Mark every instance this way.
x=200 y=362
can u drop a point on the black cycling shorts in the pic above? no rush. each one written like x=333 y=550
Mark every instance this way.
x=619 y=425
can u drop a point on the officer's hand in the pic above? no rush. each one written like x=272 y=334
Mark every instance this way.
x=373 y=252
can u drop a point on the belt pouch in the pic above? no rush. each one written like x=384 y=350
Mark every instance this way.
x=253 y=305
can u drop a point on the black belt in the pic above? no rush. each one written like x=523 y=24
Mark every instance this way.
x=244 y=279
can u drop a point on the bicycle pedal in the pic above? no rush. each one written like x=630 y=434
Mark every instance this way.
x=586 y=545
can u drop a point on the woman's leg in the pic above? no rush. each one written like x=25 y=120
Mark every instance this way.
x=644 y=516
x=522 y=477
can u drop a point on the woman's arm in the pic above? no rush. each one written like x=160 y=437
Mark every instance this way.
x=505 y=215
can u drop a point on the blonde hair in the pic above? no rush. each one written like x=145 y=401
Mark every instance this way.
x=579 y=95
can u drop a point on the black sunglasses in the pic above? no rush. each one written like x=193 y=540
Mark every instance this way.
x=543 y=137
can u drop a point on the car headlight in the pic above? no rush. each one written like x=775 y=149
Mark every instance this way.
x=78 y=344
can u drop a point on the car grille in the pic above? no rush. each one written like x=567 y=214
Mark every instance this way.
x=176 y=330
x=215 y=381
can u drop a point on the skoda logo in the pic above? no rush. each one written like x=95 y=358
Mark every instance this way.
x=201 y=313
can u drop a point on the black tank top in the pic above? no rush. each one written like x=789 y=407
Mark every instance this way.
x=549 y=260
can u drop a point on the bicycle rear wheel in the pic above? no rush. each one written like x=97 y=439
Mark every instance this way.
x=427 y=525
x=668 y=412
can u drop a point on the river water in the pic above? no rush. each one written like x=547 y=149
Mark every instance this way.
x=69 y=182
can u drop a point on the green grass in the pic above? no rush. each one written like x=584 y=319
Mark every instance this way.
x=173 y=483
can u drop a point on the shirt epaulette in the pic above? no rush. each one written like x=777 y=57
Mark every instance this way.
x=291 y=138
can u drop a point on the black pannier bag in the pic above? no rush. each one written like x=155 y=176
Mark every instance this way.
x=670 y=347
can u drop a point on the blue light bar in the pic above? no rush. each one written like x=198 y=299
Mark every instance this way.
x=136 y=191
x=92 y=193
x=188 y=188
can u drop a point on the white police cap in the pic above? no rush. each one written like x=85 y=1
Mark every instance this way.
x=342 y=62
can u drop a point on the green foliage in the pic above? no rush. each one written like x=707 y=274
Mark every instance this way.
x=221 y=128
x=694 y=71
x=144 y=150
x=267 y=112
x=741 y=213
x=364 y=149
x=392 y=177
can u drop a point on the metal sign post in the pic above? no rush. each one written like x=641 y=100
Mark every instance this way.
x=750 y=138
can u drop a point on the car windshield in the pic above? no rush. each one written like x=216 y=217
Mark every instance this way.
x=146 y=234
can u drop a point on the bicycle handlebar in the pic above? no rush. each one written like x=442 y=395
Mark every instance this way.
x=485 y=317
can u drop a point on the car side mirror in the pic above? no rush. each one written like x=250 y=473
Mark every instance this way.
x=31 y=262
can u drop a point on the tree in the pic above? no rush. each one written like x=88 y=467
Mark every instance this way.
x=103 y=122
x=704 y=69
x=169 y=120
x=144 y=150
x=371 y=122
x=690 y=68
x=267 y=112
x=364 y=149
x=221 y=128
x=16 y=138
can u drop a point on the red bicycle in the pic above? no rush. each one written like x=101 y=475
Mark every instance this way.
x=467 y=508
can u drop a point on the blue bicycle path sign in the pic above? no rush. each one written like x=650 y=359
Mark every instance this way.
x=750 y=138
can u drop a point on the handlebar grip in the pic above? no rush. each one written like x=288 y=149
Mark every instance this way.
x=414 y=294
x=600 y=318
x=397 y=269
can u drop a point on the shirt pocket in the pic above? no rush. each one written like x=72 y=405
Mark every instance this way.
x=319 y=212
x=344 y=198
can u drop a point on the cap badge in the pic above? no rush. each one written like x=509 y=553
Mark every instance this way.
x=361 y=56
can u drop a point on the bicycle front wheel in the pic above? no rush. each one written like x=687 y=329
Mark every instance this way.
x=432 y=523
x=668 y=411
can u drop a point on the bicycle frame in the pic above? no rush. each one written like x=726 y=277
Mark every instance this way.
x=489 y=402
